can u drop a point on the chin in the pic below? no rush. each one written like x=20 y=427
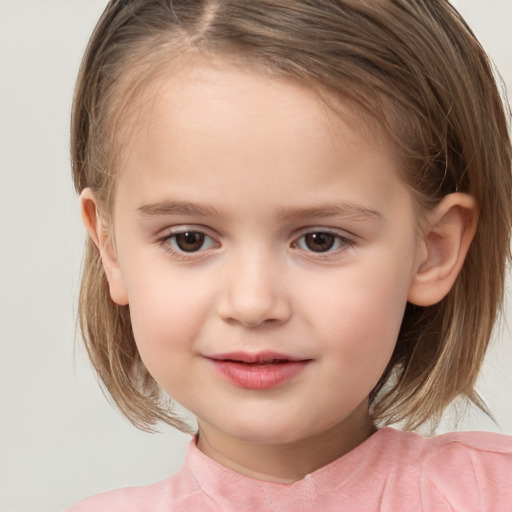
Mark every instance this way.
x=269 y=433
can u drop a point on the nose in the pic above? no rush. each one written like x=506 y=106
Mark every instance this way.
x=253 y=291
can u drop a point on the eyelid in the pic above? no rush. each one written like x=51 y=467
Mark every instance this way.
x=342 y=233
x=172 y=231
x=183 y=228
x=347 y=241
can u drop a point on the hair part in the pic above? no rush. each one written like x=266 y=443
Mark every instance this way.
x=411 y=67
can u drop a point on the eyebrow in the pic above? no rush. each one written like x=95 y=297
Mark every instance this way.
x=348 y=210
x=177 y=208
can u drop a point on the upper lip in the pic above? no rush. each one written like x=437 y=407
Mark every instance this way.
x=257 y=357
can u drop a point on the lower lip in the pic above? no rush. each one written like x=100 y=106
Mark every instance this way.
x=256 y=376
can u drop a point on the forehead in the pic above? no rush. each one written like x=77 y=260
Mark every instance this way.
x=193 y=84
x=204 y=133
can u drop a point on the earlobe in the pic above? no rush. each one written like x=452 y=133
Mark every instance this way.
x=100 y=236
x=448 y=233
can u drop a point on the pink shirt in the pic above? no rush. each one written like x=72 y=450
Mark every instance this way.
x=391 y=471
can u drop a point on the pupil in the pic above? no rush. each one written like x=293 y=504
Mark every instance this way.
x=190 y=241
x=319 y=242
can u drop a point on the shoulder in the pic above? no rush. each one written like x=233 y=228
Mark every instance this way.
x=486 y=446
x=476 y=449
x=136 y=499
x=175 y=493
x=469 y=468
x=466 y=471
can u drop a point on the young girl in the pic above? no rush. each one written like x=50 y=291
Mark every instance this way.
x=299 y=219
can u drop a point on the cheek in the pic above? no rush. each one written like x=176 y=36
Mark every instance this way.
x=359 y=319
x=167 y=316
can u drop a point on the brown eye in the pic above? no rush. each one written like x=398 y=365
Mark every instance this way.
x=322 y=242
x=189 y=241
x=319 y=242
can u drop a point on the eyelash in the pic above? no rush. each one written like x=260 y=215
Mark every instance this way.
x=340 y=243
x=171 y=237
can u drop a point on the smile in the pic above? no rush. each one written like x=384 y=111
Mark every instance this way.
x=258 y=371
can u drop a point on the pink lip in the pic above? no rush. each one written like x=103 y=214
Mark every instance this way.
x=264 y=370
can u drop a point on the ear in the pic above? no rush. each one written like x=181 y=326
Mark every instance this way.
x=100 y=236
x=447 y=235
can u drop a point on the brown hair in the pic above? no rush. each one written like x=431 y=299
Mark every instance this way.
x=413 y=66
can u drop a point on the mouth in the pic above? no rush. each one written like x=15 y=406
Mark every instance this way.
x=261 y=371
x=260 y=358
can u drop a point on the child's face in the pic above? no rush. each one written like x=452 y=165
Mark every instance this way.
x=251 y=223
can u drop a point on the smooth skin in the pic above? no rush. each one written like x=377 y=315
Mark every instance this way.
x=302 y=239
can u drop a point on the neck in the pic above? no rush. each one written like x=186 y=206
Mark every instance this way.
x=285 y=462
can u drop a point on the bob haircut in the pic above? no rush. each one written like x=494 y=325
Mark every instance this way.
x=412 y=69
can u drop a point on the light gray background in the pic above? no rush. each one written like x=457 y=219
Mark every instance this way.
x=59 y=438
